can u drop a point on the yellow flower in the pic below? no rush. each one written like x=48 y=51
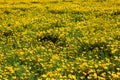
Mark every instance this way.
x=115 y=76
x=118 y=69
x=55 y=57
x=101 y=78
x=72 y=76
x=95 y=75
x=14 y=77
x=113 y=50
x=96 y=66
x=105 y=67
x=89 y=77
x=0 y=76
x=91 y=71
x=44 y=75
x=51 y=74
x=103 y=74
x=118 y=73
x=50 y=79
x=82 y=77
x=58 y=69
x=40 y=79
x=10 y=68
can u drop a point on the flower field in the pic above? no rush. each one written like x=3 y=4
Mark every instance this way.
x=60 y=40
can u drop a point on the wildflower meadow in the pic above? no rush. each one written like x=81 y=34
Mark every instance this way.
x=59 y=39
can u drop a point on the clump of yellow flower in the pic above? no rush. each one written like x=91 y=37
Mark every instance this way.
x=59 y=39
